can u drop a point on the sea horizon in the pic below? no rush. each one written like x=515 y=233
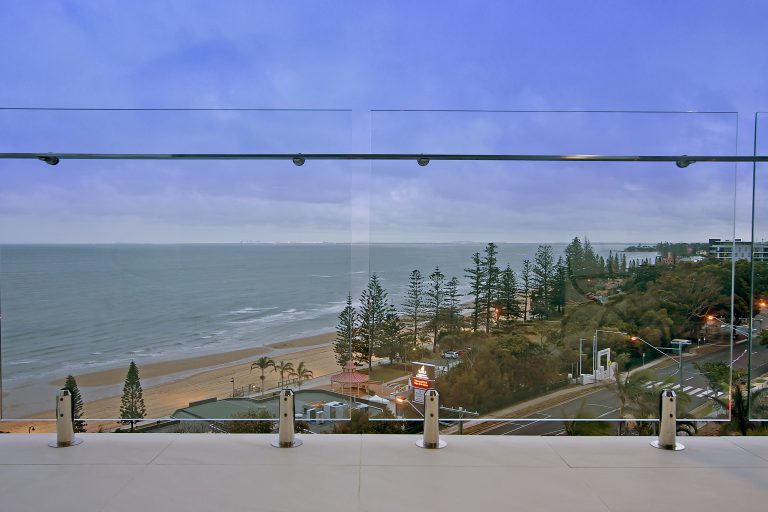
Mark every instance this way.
x=81 y=308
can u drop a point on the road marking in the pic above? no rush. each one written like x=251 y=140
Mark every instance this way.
x=720 y=393
x=686 y=388
x=518 y=426
x=609 y=412
x=603 y=405
x=676 y=386
x=707 y=392
x=692 y=393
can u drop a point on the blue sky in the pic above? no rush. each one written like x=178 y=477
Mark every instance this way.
x=364 y=56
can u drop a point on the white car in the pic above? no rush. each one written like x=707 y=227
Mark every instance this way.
x=450 y=355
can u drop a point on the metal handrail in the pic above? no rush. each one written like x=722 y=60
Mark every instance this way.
x=423 y=158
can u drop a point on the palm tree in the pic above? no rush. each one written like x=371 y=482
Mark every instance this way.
x=740 y=417
x=302 y=373
x=584 y=428
x=262 y=364
x=282 y=368
x=631 y=392
x=634 y=397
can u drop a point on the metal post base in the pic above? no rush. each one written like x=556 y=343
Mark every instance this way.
x=431 y=446
x=55 y=444
x=277 y=444
x=677 y=447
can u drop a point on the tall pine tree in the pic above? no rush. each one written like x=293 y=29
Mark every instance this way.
x=392 y=342
x=490 y=283
x=373 y=313
x=414 y=304
x=132 y=402
x=346 y=331
x=452 y=299
x=508 y=303
x=77 y=403
x=526 y=277
x=543 y=272
x=476 y=280
x=574 y=258
x=559 y=286
x=435 y=303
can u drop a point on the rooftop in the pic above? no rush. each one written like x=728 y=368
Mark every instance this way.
x=111 y=472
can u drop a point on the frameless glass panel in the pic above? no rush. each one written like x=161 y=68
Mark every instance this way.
x=595 y=268
x=193 y=270
x=758 y=357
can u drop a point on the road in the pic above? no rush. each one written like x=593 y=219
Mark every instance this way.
x=604 y=403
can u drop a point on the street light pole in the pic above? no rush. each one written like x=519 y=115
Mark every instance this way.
x=594 y=357
x=680 y=352
x=232 y=380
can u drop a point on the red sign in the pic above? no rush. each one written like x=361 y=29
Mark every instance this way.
x=420 y=383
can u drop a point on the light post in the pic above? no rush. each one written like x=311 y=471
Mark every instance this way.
x=680 y=344
x=660 y=351
x=706 y=326
x=232 y=380
x=400 y=399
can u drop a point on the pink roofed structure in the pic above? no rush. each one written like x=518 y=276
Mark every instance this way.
x=350 y=377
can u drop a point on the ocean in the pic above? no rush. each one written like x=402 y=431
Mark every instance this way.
x=75 y=309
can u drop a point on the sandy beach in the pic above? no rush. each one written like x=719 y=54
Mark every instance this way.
x=201 y=381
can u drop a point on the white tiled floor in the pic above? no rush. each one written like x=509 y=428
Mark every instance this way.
x=217 y=473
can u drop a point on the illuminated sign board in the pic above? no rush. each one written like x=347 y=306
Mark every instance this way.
x=422 y=378
x=423 y=371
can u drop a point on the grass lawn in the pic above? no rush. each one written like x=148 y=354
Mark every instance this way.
x=387 y=372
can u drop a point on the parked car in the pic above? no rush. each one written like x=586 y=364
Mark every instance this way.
x=450 y=355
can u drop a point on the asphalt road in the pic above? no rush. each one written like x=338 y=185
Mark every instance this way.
x=604 y=403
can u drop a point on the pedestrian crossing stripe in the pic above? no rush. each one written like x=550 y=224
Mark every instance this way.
x=687 y=390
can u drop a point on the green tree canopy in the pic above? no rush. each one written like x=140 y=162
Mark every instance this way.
x=346 y=334
x=132 y=406
x=77 y=403
x=414 y=304
x=373 y=314
x=239 y=424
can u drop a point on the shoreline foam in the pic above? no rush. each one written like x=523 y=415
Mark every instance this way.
x=204 y=382
x=167 y=369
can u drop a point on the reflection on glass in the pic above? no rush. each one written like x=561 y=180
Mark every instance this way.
x=755 y=401
x=161 y=286
x=536 y=295
x=584 y=286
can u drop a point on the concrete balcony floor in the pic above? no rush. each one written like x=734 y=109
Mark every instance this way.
x=190 y=472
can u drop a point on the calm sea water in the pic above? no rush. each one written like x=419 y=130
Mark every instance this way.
x=81 y=308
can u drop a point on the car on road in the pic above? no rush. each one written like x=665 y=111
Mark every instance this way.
x=450 y=355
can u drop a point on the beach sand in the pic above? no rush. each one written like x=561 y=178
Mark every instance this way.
x=161 y=400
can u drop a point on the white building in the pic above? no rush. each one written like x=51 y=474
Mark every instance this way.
x=725 y=249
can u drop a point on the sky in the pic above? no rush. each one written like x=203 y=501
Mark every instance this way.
x=358 y=77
